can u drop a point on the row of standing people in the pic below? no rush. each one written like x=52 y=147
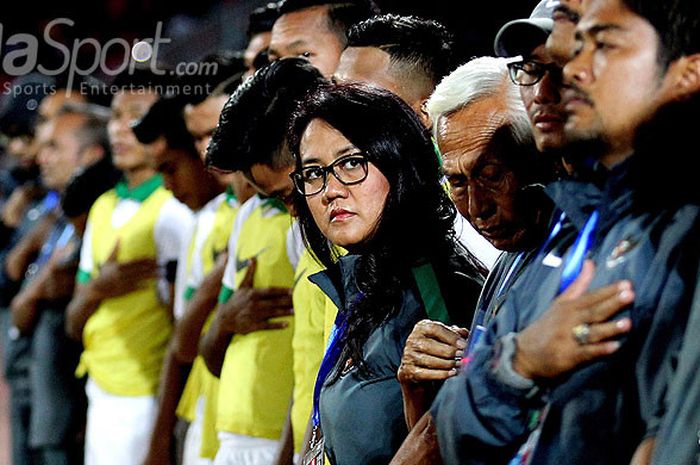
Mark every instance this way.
x=381 y=289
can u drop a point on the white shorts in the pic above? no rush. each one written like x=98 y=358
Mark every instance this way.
x=118 y=427
x=235 y=449
x=193 y=438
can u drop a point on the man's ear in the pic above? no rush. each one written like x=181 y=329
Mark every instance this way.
x=422 y=111
x=685 y=73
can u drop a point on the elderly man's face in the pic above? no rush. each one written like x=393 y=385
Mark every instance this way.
x=484 y=187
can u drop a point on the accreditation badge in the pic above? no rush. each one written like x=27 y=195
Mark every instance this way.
x=314 y=456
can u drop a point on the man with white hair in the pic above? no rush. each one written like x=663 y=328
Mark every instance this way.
x=496 y=175
x=565 y=374
x=485 y=138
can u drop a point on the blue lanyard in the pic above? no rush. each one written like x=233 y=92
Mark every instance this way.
x=51 y=201
x=506 y=280
x=330 y=358
x=478 y=328
x=555 y=230
x=580 y=249
x=572 y=269
x=58 y=239
x=581 y=246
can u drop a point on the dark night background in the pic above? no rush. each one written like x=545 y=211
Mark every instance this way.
x=202 y=26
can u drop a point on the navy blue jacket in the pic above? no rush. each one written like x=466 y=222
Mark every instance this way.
x=599 y=413
x=362 y=416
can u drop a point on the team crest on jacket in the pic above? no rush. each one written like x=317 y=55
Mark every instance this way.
x=619 y=253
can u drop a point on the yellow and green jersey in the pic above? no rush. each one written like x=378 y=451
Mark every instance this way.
x=125 y=339
x=308 y=343
x=256 y=380
x=214 y=225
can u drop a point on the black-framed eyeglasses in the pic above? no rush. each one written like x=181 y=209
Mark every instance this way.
x=530 y=72
x=350 y=169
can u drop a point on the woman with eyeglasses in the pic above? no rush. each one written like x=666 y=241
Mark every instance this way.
x=368 y=180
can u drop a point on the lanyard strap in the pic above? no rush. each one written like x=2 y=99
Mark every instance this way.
x=430 y=293
x=580 y=249
x=51 y=201
x=330 y=358
x=479 y=327
x=572 y=268
x=555 y=230
x=509 y=275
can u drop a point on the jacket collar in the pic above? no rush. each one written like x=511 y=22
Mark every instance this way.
x=338 y=282
x=610 y=191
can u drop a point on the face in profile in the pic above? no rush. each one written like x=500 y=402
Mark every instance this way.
x=484 y=187
x=542 y=99
x=128 y=153
x=201 y=120
x=614 y=79
x=560 y=44
x=185 y=176
x=307 y=34
x=273 y=182
x=61 y=156
x=26 y=148
x=348 y=192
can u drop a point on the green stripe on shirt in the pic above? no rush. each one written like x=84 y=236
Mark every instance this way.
x=82 y=277
x=225 y=294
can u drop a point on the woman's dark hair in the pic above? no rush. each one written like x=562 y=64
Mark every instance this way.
x=417 y=220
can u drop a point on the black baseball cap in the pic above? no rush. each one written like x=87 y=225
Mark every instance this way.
x=521 y=36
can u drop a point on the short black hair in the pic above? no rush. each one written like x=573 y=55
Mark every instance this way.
x=87 y=185
x=165 y=118
x=253 y=122
x=341 y=14
x=263 y=18
x=677 y=23
x=424 y=44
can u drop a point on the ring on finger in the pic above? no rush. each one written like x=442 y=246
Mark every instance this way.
x=581 y=333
